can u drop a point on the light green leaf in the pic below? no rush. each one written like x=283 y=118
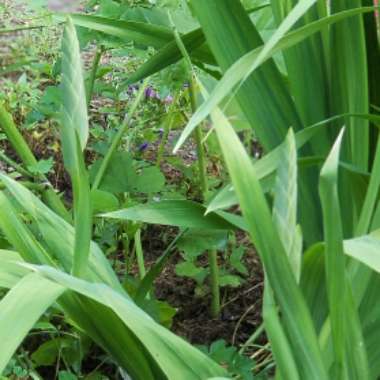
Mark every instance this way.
x=33 y=294
x=173 y=213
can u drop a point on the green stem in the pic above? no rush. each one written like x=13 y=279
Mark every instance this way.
x=15 y=165
x=94 y=70
x=117 y=139
x=18 y=29
x=27 y=157
x=214 y=281
x=140 y=254
x=202 y=167
x=168 y=123
x=212 y=254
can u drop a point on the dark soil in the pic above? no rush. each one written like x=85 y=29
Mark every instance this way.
x=241 y=307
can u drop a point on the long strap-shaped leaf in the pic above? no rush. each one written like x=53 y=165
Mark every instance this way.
x=338 y=288
x=21 y=308
x=252 y=60
x=350 y=79
x=74 y=135
x=255 y=209
x=176 y=358
x=307 y=72
x=146 y=34
x=263 y=97
x=285 y=204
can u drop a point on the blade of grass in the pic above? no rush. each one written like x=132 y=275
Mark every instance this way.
x=340 y=299
x=296 y=317
x=252 y=60
x=118 y=137
x=285 y=202
x=74 y=135
x=34 y=294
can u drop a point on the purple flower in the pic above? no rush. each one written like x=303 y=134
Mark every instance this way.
x=160 y=132
x=150 y=93
x=168 y=99
x=63 y=5
x=143 y=147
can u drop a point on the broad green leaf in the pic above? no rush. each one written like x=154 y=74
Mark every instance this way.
x=335 y=261
x=74 y=110
x=307 y=72
x=263 y=97
x=10 y=273
x=338 y=288
x=365 y=249
x=286 y=367
x=140 y=32
x=103 y=201
x=33 y=294
x=196 y=241
x=296 y=317
x=176 y=358
x=56 y=235
x=149 y=180
x=251 y=61
x=74 y=135
x=169 y=54
x=348 y=54
x=146 y=34
x=185 y=214
x=285 y=202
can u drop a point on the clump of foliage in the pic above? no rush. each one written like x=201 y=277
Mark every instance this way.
x=300 y=78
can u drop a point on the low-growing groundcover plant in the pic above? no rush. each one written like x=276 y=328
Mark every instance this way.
x=308 y=92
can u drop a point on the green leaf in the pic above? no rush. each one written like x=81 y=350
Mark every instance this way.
x=249 y=62
x=42 y=166
x=236 y=260
x=196 y=241
x=149 y=180
x=189 y=269
x=185 y=214
x=338 y=288
x=103 y=201
x=74 y=111
x=119 y=175
x=263 y=97
x=334 y=263
x=140 y=32
x=74 y=135
x=285 y=202
x=34 y=294
x=157 y=340
x=296 y=317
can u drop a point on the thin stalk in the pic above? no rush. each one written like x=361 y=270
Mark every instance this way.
x=117 y=139
x=18 y=29
x=168 y=123
x=212 y=254
x=140 y=254
x=214 y=281
x=202 y=168
x=15 y=165
x=28 y=159
x=252 y=338
x=94 y=70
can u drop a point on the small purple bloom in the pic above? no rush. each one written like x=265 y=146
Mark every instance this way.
x=150 y=93
x=63 y=5
x=168 y=99
x=130 y=90
x=143 y=147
